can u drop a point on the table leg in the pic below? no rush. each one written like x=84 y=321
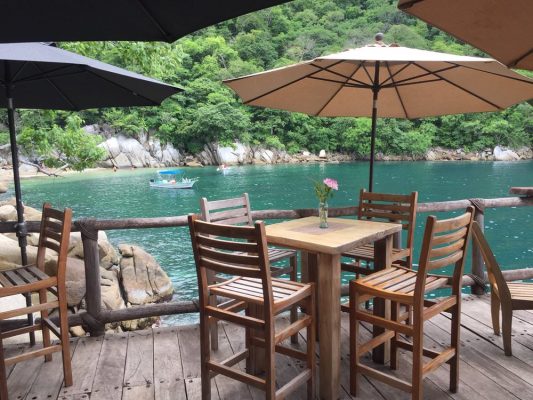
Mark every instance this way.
x=329 y=324
x=382 y=260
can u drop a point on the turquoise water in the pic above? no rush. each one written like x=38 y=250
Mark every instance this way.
x=126 y=194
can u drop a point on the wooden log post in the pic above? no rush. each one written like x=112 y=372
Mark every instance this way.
x=93 y=293
x=477 y=259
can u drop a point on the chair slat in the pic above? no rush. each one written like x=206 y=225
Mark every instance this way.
x=232 y=258
x=230 y=269
x=24 y=274
x=369 y=214
x=51 y=245
x=237 y=232
x=445 y=261
x=14 y=278
x=245 y=247
x=449 y=249
x=228 y=214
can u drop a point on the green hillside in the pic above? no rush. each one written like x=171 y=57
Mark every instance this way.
x=300 y=30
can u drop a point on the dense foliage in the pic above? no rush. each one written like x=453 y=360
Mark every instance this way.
x=299 y=30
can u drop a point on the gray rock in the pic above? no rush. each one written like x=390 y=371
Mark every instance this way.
x=143 y=280
x=75 y=281
x=502 y=154
x=108 y=254
x=8 y=213
x=3 y=187
x=110 y=287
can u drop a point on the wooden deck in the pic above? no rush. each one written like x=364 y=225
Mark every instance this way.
x=163 y=363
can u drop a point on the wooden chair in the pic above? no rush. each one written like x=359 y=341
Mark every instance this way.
x=54 y=235
x=507 y=295
x=241 y=252
x=445 y=243
x=238 y=211
x=386 y=208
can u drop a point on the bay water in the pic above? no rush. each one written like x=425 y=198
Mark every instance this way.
x=126 y=194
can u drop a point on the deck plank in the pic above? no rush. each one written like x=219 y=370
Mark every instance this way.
x=110 y=368
x=168 y=370
x=139 y=370
x=84 y=362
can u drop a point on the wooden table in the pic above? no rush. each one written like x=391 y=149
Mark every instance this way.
x=322 y=249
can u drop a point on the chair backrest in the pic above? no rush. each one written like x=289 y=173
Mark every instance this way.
x=235 y=211
x=54 y=235
x=399 y=208
x=496 y=279
x=239 y=251
x=444 y=244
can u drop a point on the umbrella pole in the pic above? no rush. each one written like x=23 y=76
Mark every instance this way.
x=20 y=225
x=375 y=92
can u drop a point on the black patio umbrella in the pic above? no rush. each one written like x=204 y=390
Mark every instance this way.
x=34 y=75
x=143 y=20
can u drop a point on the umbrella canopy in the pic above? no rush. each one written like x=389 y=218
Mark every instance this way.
x=154 y=20
x=34 y=75
x=501 y=28
x=386 y=81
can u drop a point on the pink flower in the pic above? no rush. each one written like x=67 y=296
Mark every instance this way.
x=331 y=183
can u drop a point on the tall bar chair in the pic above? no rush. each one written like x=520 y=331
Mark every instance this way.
x=238 y=211
x=54 y=236
x=445 y=243
x=241 y=253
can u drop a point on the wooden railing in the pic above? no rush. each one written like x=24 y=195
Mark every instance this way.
x=95 y=318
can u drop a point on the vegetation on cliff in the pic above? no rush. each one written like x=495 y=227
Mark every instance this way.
x=298 y=30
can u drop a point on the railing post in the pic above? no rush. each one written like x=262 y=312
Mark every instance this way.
x=93 y=294
x=477 y=259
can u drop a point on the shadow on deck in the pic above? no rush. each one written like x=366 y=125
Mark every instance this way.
x=164 y=364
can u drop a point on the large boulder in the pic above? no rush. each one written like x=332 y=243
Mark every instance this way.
x=235 y=154
x=108 y=254
x=502 y=154
x=10 y=253
x=3 y=187
x=8 y=213
x=110 y=287
x=143 y=280
x=75 y=281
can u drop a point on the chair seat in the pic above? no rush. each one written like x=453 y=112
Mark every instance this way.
x=397 y=282
x=521 y=291
x=285 y=293
x=24 y=279
x=366 y=253
x=275 y=254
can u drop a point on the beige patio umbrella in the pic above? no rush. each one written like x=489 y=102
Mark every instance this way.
x=501 y=28
x=386 y=81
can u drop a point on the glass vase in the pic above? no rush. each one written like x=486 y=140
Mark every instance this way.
x=323 y=214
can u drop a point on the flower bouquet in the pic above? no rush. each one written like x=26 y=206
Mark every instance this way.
x=324 y=191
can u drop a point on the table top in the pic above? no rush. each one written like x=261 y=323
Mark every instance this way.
x=341 y=235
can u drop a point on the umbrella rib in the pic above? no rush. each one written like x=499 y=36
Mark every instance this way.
x=43 y=75
x=517 y=60
x=412 y=78
x=65 y=97
x=92 y=72
x=368 y=74
x=492 y=73
x=340 y=88
x=288 y=83
x=153 y=20
x=391 y=77
x=347 y=77
x=462 y=88
x=363 y=86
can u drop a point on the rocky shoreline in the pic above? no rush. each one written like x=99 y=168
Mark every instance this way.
x=144 y=151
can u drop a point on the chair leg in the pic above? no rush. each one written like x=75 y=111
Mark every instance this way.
x=294 y=309
x=3 y=375
x=418 y=343
x=455 y=343
x=354 y=334
x=311 y=364
x=395 y=313
x=270 y=363
x=64 y=336
x=44 y=327
x=213 y=325
x=507 y=323
x=205 y=355
x=495 y=312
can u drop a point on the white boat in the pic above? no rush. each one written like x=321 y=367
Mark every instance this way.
x=172 y=179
